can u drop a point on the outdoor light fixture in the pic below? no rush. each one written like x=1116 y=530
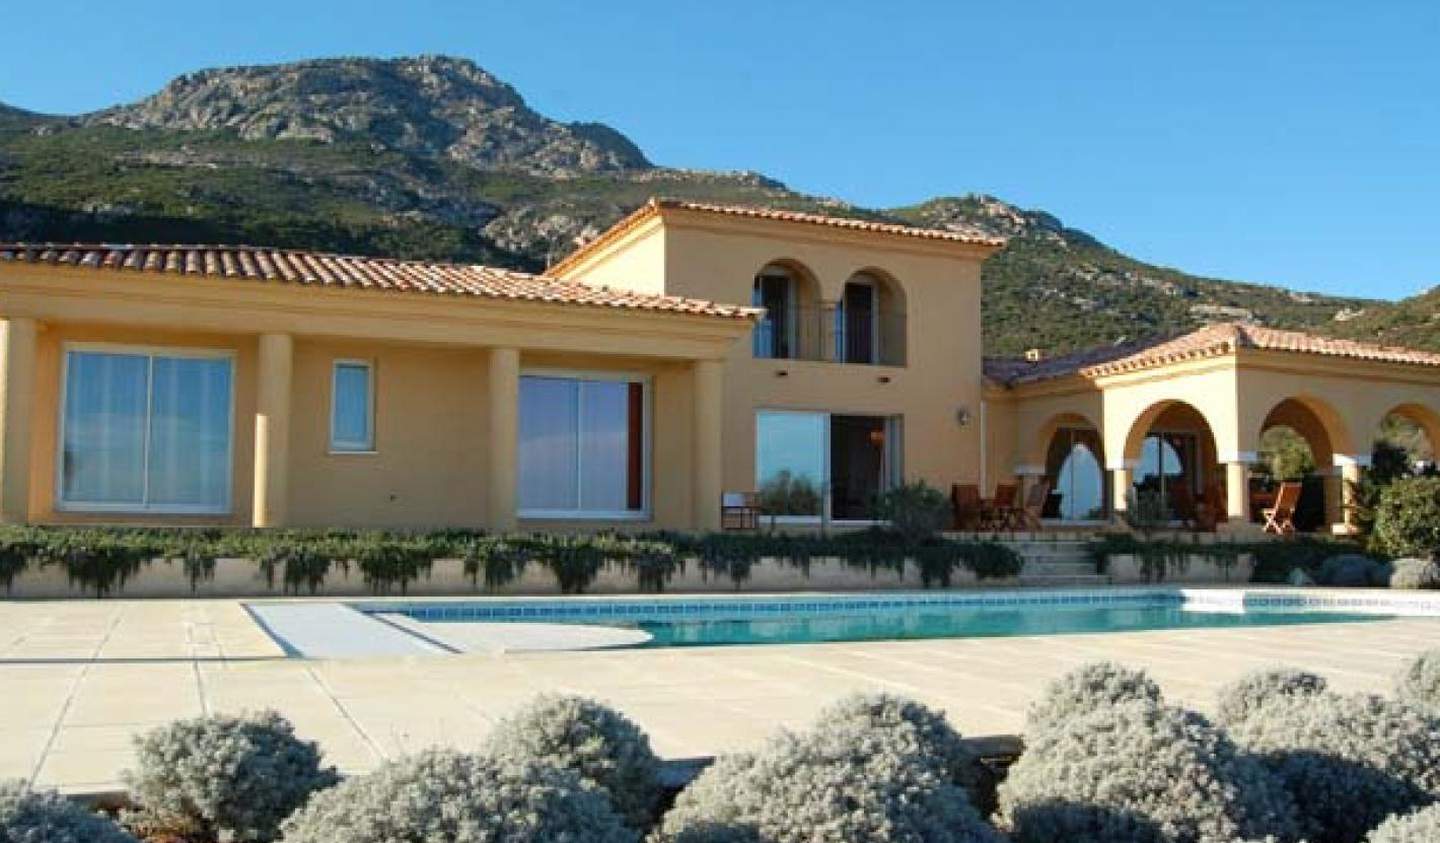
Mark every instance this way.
x=963 y=416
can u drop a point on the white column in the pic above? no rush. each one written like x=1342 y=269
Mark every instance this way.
x=17 y=404
x=1237 y=494
x=504 y=444
x=272 y=431
x=1121 y=479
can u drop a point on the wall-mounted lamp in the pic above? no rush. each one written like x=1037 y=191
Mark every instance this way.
x=962 y=416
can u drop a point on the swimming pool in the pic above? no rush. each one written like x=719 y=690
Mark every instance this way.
x=719 y=621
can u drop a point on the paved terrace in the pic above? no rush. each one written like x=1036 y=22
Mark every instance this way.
x=78 y=679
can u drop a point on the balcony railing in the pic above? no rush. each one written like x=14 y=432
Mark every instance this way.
x=829 y=335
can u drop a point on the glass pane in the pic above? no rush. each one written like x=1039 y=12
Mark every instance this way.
x=790 y=462
x=549 y=424
x=1081 y=485
x=350 y=422
x=604 y=445
x=104 y=448
x=190 y=433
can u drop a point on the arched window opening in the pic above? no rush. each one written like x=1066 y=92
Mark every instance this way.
x=1077 y=478
x=776 y=335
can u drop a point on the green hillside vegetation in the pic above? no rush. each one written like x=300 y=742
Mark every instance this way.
x=97 y=178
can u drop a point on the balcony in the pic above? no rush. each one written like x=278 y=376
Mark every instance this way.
x=830 y=334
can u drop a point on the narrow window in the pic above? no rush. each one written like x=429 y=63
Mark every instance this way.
x=774 y=336
x=352 y=407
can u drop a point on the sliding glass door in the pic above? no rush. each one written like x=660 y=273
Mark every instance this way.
x=818 y=465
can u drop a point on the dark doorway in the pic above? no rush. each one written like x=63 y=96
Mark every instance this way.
x=857 y=465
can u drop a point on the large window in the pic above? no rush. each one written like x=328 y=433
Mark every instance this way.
x=352 y=407
x=775 y=335
x=818 y=465
x=146 y=431
x=582 y=447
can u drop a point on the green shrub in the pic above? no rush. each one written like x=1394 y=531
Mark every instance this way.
x=1422 y=826
x=831 y=785
x=44 y=816
x=1243 y=697
x=1407 y=521
x=1419 y=682
x=1418 y=574
x=233 y=778
x=448 y=797
x=1352 y=570
x=1088 y=688
x=1140 y=772
x=916 y=511
x=1348 y=761
x=601 y=745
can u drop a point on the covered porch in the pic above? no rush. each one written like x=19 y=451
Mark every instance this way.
x=1206 y=431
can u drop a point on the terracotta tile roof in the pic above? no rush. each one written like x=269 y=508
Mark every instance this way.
x=1210 y=341
x=655 y=206
x=314 y=269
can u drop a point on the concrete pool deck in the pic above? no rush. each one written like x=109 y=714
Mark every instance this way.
x=78 y=679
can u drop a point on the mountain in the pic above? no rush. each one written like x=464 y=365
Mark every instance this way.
x=433 y=157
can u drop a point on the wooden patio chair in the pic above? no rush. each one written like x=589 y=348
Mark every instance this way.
x=968 y=506
x=1280 y=518
x=999 y=513
x=1028 y=516
x=739 y=511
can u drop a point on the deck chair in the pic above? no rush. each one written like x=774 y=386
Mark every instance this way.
x=967 y=505
x=739 y=511
x=1028 y=516
x=1000 y=513
x=1280 y=518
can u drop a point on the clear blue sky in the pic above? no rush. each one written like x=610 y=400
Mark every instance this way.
x=1294 y=142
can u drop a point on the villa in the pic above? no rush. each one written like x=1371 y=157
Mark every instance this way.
x=690 y=351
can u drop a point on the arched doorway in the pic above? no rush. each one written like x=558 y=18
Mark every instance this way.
x=1174 y=474
x=1074 y=468
x=1297 y=446
x=1405 y=442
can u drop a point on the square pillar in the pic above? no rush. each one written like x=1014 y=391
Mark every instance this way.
x=705 y=458
x=17 y=404
x=504 y=444
x=1350 y=466
x=272 y=431
x=1121 y=479
x=1237 y=493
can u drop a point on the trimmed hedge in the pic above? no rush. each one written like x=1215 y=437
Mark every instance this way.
x=1407 y=521
x=102 y=559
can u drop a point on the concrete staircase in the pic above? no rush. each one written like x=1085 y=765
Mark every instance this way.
x=1056 y=562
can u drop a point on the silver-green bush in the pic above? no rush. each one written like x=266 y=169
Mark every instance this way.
x=234 y=778
x=1143 y=773
x=44 y=816
x=449 y=797
x=919 y=726
x=830 y=785
x=1241 y=698
x=1423 y=826
x=1348 y=761
x=598 y=743
x=1419 y=682
x=1419 y=574
x=1086 y=689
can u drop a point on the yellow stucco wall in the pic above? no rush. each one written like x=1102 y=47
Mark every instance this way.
x=935 y=286
x=433 y=403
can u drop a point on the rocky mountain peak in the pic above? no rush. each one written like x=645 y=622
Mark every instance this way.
x=434 y=105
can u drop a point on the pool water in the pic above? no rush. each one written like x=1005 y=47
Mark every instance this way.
x=926 y=622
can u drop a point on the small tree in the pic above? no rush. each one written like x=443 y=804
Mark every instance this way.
x=1407 y=522
x=917 y=511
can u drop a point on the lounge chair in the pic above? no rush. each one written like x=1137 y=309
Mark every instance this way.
x=1028 y=516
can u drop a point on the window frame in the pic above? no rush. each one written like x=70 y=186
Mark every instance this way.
x=647 y=441
x=150 y=352
x=791 y=324
x=337 y=447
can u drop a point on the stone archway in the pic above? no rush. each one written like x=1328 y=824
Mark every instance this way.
x=1171 y=464
x=1312 y=424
